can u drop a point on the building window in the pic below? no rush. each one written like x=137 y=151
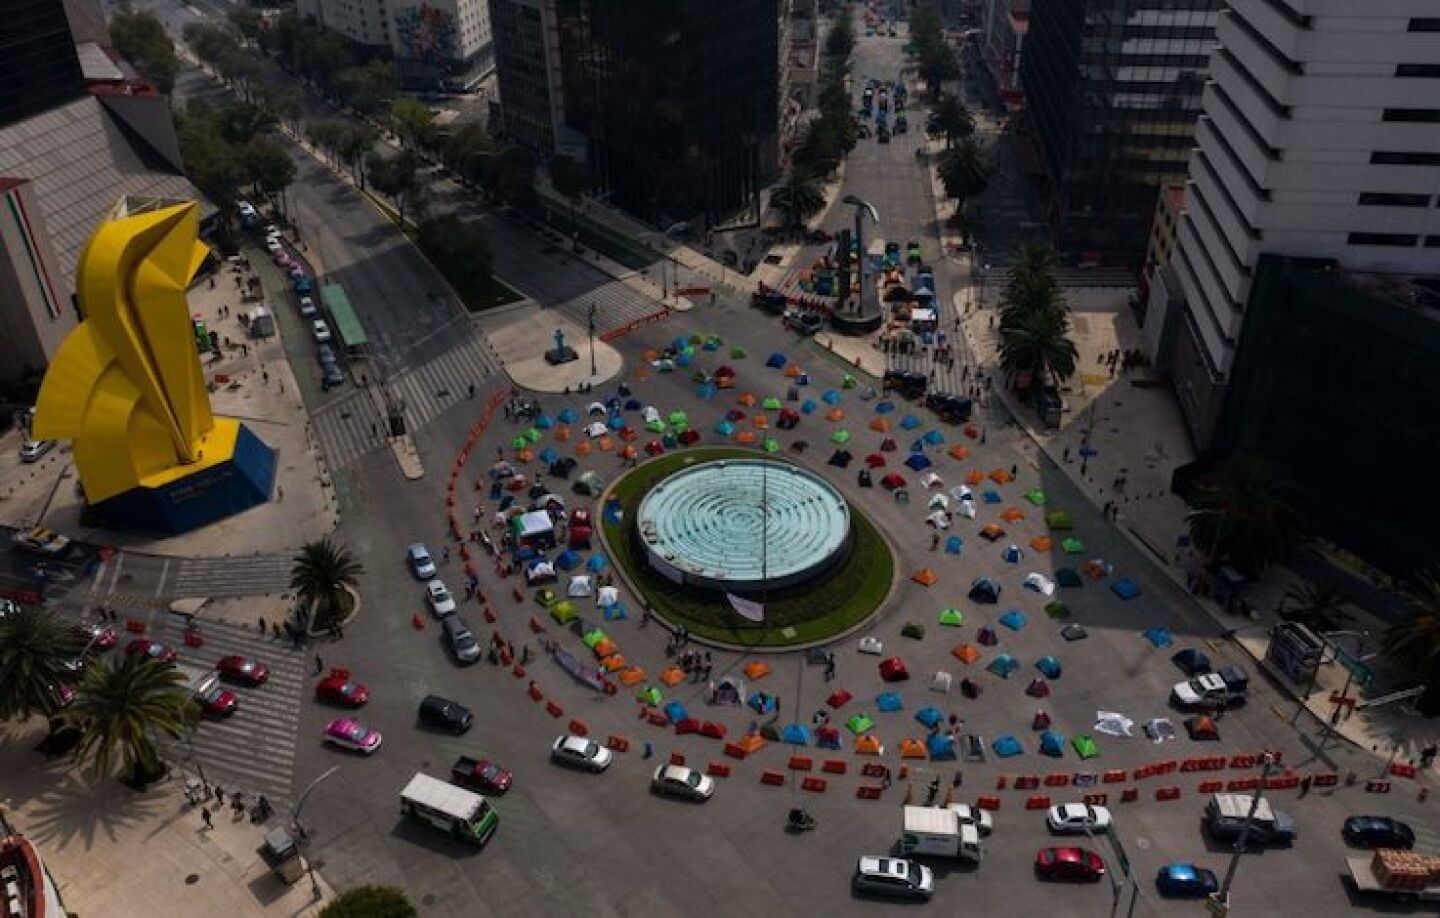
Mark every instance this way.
x=1381 y=199
x=1401 y=240
x=1400 y=158
x=1412 y=115
x=1425 y=24
x=1427 y=71
x=1432 y=242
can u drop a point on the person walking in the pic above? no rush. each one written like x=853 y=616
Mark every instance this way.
x=205 y=815
x=219 y=796
x=262 y=626
x=319 y=665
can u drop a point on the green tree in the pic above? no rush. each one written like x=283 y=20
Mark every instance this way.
x=270 y=168
x=283 y=103
x=1413 y=643
x=242 y=122
x=413 y=121
x=123 y=708
x=367 y=89
x=458 y=248
x=214 y=165
x=1318 y=606
x=800 y=197
x=1038 y=344
x=1242 y=516
x=35 y=645
x=322 y=572
x=840 y=40
x=356 y=143
x=463 y=146
x=370 y=902
x=964 y=172
x=1030 y=286
x=328 y=136
x=952 y=119
x=247 y=21
x=938 y=66
x=141 y=39
x=570 y=177
x=514 y=176
x=821 y=149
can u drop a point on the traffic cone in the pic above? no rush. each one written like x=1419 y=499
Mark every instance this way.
x=417 y=621
x=1002 y=782
x=909 y=792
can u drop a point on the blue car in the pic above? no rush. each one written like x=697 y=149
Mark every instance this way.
x=1186 y=881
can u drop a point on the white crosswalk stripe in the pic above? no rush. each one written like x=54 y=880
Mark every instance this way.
x=214 y=577
x=348 y=429
x=616 y=305
x=429 y=388
x=252 y=750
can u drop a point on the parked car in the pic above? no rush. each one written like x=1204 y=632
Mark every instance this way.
x=1079 y=864
x=481 y=774
x=339 y=689
x=460 y=639
x=152 y=649
x=1069 y=818
x=1186 y=881
x=679 y=781
x=348 y=733
x=307 y=308
x=273 y=246
x=1213 y=691
x=441 y=602
x=321 y=330
x=243 y=670
x=444 y=714
x=1192 y=662
x=100 y=637
x=1378 y=832
x=580 y=752
x=893 y=876
x=35 y=450
x=953 y=409
x=420 y=561
x=909 y=383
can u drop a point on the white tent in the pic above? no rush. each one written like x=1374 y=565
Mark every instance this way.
x=939 y=502
x=595 y=408
x=652 y=414
x=597 y=429
x=536 y=524
x=961 y=492
x=871 y=645
x=608 y=596
x=938 y=519
x=967 y=509
x=580 y=585
x=1113 y=723
x=540 y=573
x=932 y=480
x=941 y=681
x=1039 y=583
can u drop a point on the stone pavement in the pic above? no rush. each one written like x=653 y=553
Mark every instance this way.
x=117 y=853
x=522 y=337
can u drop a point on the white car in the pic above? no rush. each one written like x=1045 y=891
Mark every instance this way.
x=440 y=599
x=245 y=208
x=321 y=330
x=893 y=876
x=1209 y=691
x=35 y=450
x=580 y=752
x=273 y=246
x=420 y=561
x=969 y=815
x=307 y=308
x=1072 y=818
x=679 y=781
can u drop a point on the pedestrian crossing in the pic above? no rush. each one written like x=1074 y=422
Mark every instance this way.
x=242 y=576
x=617 y=304
x=252 y=750
x=430 y=388
x=348 y=429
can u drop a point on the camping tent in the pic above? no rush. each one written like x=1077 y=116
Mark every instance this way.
x=986 y=636
x=795 y=735
x=729 y=690
x=1072 y=546
x=1003 y=666
x=933 y=480
x=953 y=545
x=918 y=461
x=1013 y=619
x=938 y=519
x=941 y=681
x=580 y=585
x=589 y=484
x=651 y=695
x=776 y=361
x=992 y=532
x=1160 y=730
x=1125 y=588
x=860 y=723
x=1069 y=577
x=1052 y=744
x=1057 y=609
x=1038 y=688
x=1084 y=746
x=1049 y=667
x=869 y=745
x=1201 y=727
x=1036 y=497
x=827 y=738
x=965 y=653
x=941 y=747
x=925 y=577
x=761 y=702
x=1158 y=636
x=889 y=702
x=909 y=422
x=952 y=616
x=1011 y=554
x=568 y=560
x=675 y=711
x=930 y=716
x=984 y=590
x=1074 y=632
x=892 y=481
x=1059 y=519
x=607 y=596
x=1039 y=583
x=1006 y=746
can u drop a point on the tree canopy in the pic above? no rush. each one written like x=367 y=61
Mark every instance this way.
x=140 y=37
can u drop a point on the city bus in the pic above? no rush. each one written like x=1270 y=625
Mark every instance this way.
x=456 y=810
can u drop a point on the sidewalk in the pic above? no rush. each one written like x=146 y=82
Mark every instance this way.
x=122 y=854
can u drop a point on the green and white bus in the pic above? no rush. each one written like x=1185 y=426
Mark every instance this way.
x=463 y=813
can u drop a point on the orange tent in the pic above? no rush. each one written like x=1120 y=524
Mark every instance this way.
x=1012 y=515
x=746 y=437
x=628 y=433
x=975 y=477
x=751 y=742
x=632 y=676
x=869 y=744
x=760 y=421
x=562 y=433
x=880 y=425
x=724 y=382
x=1041 y=543
x=748 y=400
x=605 y=444
x=835 y=414
x=965 y=653
x=525 y=455
x=793 y=371
x=604 y=648
x=756 y=669
x=959 y=451
x=925 y=577
x=1000 y=476
x=583 y=448
x=672 y=676
x=613 y=663
x=629 y=452
x=650 y=354
x=912 y=749
x=992 y=532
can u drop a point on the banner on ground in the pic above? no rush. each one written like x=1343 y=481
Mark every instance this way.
x=747 y=608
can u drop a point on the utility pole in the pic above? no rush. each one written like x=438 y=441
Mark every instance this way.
x=300 y=830
x=1221 y=900
x=590 y=316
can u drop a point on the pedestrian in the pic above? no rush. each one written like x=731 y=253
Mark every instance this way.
x=319 y=665
x=1305 y=785
x=885 y=779
x=219 y=795
x=279 y=493
x=1065 y=455
x=649 y=750
x=445 y=555
x=265 y=376
x=275 y=630
x=472 y=390
x=934 y=540
x=1014 y=471
x=262 y=625
x=205 y=815
x=1427 y=755
x=524 y=654
x=958 y=779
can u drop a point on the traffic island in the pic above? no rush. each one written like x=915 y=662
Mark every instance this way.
x=851 y=584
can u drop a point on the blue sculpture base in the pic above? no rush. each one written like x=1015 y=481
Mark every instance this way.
x=212 y=493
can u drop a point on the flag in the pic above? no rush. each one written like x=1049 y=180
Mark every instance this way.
x=747 y=608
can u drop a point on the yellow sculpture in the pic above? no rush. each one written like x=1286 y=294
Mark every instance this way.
x=126 y=385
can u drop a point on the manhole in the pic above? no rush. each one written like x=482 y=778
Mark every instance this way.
x=192 y=879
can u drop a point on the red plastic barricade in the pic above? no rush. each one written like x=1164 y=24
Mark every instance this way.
x=1283 y=782
x=834 y=766
x=735 y=750
x=534 y=691
x=813 y=784
x=554 y=709
x=1113 y=776
x=1096 y=799
x=800 y=763
x=657 y=719
x=874 y=770
x=518 y=671
x=1129 y=795
x=618 y=743
x=578 y=728
x=1402 y=770
x=713 y=730
x=1377 y=787
x=1242 y=784
x=677 y=758
x=1057 y=780
x=718 y=769
x=988 y=803
x=1210 y=787
x=1038 y=802
x=1027 y=782
x=776 y=778
x=1167 y=793
x=867 y=792
x=1325 y=779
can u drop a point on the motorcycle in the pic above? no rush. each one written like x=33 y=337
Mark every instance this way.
x=800 y=821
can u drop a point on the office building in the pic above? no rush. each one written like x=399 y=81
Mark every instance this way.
x=1319 y=138
x=1002 y=44
x=41 y=67
x=1112 y=91
x=437 y=45
x=528 y=72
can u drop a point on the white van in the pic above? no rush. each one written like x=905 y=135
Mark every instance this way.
x=452 y=809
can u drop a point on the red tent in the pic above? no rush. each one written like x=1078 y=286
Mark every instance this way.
x=893 y=481
x=875 y=460
x=654 y=448
x=579 y=536
x=689 y=436
x=893 y=670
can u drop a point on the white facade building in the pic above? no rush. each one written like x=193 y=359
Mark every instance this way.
x=441 y=44
x=1320 y=138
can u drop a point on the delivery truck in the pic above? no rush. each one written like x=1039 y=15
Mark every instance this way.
x=939 y=832
x=1398 y=874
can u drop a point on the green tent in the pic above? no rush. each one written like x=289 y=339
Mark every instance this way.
x=1069 y=577
x=860 y=723
x=840 y=436
x=1057 y=609
x=772 y=445
x=655 y=426
x=519 y=443
x=713 y=341
x=651 y=695
x=533 y=435
x=679 y=418
x=1059 y=519
x=1085 y=746
x=694 y=339
x=1036 y=497
x=849 y=382
x=669 y=441
x=545 y=596
x=589 y=485
x=594 y=637
x=563 y=611
x=688 y=351
x=952 y=617
x=913 y=630
x=738 y=353
x=1072 y=546
x=771 y=403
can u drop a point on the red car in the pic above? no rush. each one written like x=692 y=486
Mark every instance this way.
x=339 y=688
x=99 y=637
x=1069 y=864
x=243 y=670
x=215 y=700
x=152 y=649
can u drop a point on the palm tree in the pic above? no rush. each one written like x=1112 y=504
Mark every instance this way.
x=952 y=119
x=121 y=710
x=800 y=197
x=1318 y=606
x=1242 y=516
x=1039 y=344
x=1414 y=644
x=964 y=172
x=320 y=576
x=34 y=648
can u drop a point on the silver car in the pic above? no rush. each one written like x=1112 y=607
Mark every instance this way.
x=893 y=876
x=679 y=781
x=461 y=639
x=580 y=752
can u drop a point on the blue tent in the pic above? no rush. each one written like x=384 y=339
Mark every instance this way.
x=909 y=422
x=808 y=406
x=616 y=422
x=711 y=344
x=526 y=553
x=566 y=416
x=941 y=747
x=884 y=406
x=676 y=712
x=991 y=497
x=597 y=563
x=1014 y=619
x=929 y=716
x=889 y=702
x=680 y=343
x=568 y=560
x=1006 y=746
x=953 y=545
x=1049 y=666
x=612 y=405
x=761 y=702
x=933 y=437
x=614 y=512
x=918 y=446
x=724 y=428
x=614 y=612
x=1052 y=744
x=796 y=735
x=544 y=422
x=831 y=396
x=684 y=359
x=1125 y=588
x=918 y=461
x=1158 y=636
x=1003 y=666
x=776 y=361
x=1011 y=554
x=705 y=392
x=548 y=455
x=632 y=404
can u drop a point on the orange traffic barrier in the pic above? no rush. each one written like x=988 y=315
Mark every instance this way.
x=618 y=743
x=1377 y=787
x=1113 y=776
x=1402 y=770
x=735 y=750
x=800 y=763
x=535 y=625
x=1325 y=779
x=657 y=719
x=578 y=728
x=1027 y=782
x=1242 y=784
x=777 y=778
x=535 y=692
x=518 y=671
x=1129 y=795
x=867 y=792
x=517 y=593
x=1096 y=799
x=988 y=803
x=1038 y=802
x=834 y=766
x=1210 y=787
x=677 y=758
x=1167 y=793
x=874 y=770
x=554 y=710
x=1057 y=780
x=417 y=621
x=813 y=784
x=1283 y=782
x=718 y=769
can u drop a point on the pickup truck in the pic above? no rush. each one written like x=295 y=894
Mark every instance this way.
x=804 y=321
x=1226 y=814
x=480 y=774
x=1370 y=876
x=1213 y=691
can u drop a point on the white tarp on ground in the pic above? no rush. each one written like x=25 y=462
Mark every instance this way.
x=1160 y=729
x=536 y=523
x=1040 y=583
x=598 y=429
x=540 y=572
x=1113 y=723
x=608 y=596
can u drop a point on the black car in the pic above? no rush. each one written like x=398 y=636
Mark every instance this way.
x=1191 y=661
x=953 y=409
x=907 y=382
x=444 y=714
x=1378 y=832
x=770 y=301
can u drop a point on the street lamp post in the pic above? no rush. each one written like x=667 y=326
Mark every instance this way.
x=590 y=317
x=1221 y=898
x=300 y=830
